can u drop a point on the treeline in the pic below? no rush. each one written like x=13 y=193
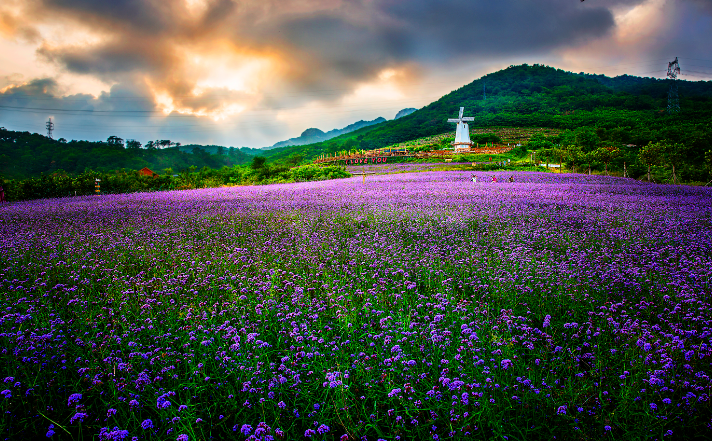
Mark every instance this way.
x=661 y=158
x=63 y=184
x=24 y=154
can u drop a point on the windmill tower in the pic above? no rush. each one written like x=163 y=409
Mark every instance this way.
x=673 y=98
x=462 y=133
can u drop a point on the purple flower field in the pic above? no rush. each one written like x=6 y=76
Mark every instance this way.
x=396 y=167
x=414 y=306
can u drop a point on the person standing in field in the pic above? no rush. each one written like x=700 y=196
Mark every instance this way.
x=2 y=195
x=494 y=178
x=474 y=179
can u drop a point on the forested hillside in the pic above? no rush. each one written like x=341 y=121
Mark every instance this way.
x=623 y=110
x=24 y=154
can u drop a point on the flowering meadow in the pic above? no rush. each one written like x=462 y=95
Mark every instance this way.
x=411 y=306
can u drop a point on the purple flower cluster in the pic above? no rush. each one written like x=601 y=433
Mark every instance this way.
x=440 y=297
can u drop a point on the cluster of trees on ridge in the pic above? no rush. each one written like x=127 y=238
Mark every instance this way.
x=24 y=154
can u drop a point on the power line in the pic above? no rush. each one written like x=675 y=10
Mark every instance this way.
x=174 y=115
x=697 y=59
x=696 y=71
x=696 y=76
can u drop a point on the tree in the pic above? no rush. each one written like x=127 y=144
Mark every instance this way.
x=651 y=154
x=559 y=153
x=151 y=146
x=674 y=155
x=115 y=140
x=708 y=162
x=445 y=142
x=538 y=141
x=587 y=138
x=546 y=155
x=294 y=159
x=258 y=163
x=574 y=154
x=132 y=144
x=606 y=155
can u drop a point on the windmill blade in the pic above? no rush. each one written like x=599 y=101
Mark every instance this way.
x=462 y=110
x=468 y=118
x=453 y=120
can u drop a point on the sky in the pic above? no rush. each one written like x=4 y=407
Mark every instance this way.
x=254 y=72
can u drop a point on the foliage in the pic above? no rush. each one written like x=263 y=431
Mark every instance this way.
x=605 y=155
x=316 y=173
x=62 y=184
x=539 y=141
x=485 y=138
x=652 y=154
x=24 y=155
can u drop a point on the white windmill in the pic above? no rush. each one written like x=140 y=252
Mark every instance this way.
x=462 y=134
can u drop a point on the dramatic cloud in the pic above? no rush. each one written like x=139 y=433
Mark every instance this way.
x=236 y=61
x=320 y=45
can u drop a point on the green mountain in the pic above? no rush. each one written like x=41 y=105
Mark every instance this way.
x=631 y=109
x=312 y=135
x=405 y=112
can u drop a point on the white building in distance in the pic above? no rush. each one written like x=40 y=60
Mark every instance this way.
x=462 y=134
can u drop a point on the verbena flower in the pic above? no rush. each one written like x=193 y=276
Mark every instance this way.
x=79 y=416
x=322 y=429
x=74 y=399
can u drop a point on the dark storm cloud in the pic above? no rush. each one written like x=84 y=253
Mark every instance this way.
x=325 y=44
x=115 y=58
x=46 y=93
x=148 y=16
x=453 y=28
x=37 y=88
x=704 y=4
x=126 y=110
